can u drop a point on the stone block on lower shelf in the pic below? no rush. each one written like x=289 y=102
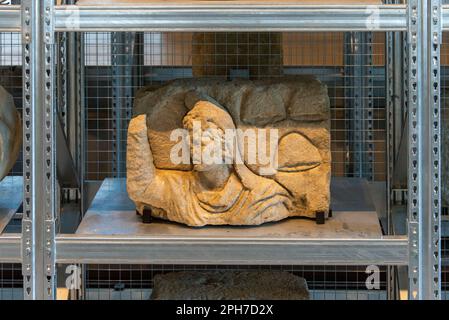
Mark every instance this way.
x=229 y=285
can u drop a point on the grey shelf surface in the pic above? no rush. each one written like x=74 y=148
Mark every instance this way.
x=111 y=232
x=354 y=216
x=11 y=191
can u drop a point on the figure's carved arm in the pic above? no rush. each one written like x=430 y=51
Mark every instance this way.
x=141 y=172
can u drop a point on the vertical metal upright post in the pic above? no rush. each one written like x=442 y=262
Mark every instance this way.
x=359 y=109
x=72 y=51
x=40 y=196
x=394 y=77
x=62 y=83
x=68 y=88
x=81 y=116
x=74 y=64
x=389 y=77
x=122 y=94
x=81 y=133
x=424 y=200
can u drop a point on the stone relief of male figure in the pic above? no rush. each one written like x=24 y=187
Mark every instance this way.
x=210 y=194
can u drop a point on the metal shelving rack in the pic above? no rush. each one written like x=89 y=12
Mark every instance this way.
x=41 y=247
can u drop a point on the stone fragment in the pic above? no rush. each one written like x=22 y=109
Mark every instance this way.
x=229 y=285
x=287 y=178
x=10 y=133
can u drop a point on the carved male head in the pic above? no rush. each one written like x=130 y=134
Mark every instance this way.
x=207 y=123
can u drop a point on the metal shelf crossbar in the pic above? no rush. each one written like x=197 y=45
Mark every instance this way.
x=219 y=17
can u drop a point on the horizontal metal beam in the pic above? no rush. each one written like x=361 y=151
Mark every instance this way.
x=201 y=16
x=10 y=18
x=10 y=248
x=222 y=251
x=445 y=21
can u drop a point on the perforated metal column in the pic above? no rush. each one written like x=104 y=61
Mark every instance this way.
x=424 y=148
x=40 y=196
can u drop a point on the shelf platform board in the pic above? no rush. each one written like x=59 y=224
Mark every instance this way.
x=355 y=217
x=11 y=191
x=111 y=232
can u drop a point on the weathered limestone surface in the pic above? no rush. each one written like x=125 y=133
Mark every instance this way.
x=10 y=133
x=249 y=193
x=230 y=285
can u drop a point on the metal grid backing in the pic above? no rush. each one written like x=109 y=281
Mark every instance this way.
x=118 y=282
x=352 y=65
x=11 y=76
x=11 y=281
x=445 y=268
x=445 y=283
x=11 y=284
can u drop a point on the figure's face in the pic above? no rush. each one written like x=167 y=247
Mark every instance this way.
x=206 y=147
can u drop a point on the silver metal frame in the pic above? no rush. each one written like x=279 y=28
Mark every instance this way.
x=10 y=248
x=39 y=151
x=227 y=16
x=10 y=19
x=239 y=251
x=394 y=104
x=424 y=197
x=445 y=18
x=39 y=248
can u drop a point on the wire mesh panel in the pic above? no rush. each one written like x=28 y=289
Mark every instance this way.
x=11 y=281
x=445 y=266
x=11 y=284
x=445 y=162
x=351 y=65
x=124 y=282
x=11 y=76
